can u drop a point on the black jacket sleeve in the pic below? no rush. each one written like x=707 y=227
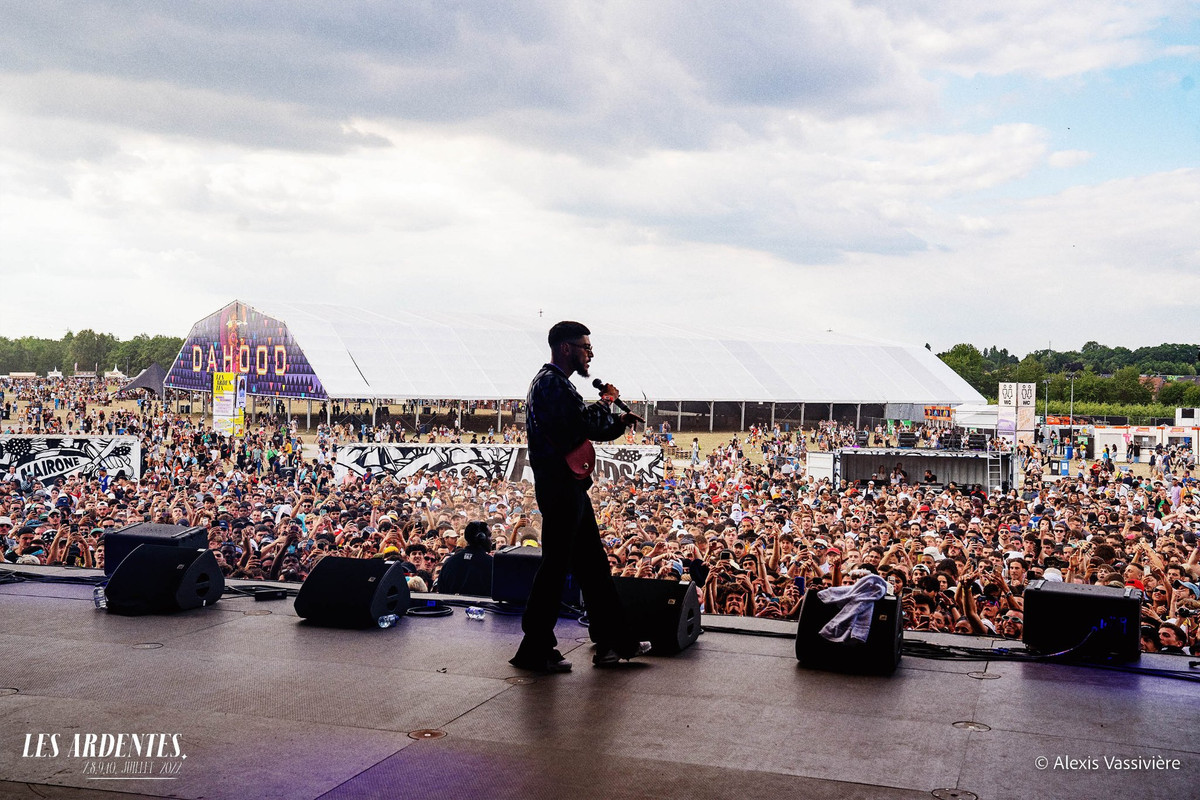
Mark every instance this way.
x=559 y=420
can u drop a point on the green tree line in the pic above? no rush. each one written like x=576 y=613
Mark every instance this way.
x=1116 y=376
x=88 y=349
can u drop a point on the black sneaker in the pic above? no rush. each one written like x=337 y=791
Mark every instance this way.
x=553 y=662
x=607 y=657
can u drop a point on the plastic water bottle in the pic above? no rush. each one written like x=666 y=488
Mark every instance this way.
x=99 y=598
x=475 y=613
x=388 y=620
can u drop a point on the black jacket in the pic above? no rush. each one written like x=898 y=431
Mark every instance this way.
x=559 y=421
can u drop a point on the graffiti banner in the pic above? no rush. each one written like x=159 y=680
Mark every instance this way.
x=617 y=461
x=47 y=458
x=506 y=462
x=490 y=461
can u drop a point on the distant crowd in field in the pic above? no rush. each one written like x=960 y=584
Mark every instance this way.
x=750 y=537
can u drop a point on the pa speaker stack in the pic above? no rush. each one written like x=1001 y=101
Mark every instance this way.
x=353 y=592
x=862 y=438
x=664 y=613
x=513 y=570
x=161 y=579
x=906 y=440
x=879 y=655
x=1082 y=621
x=976 y=441
x=120 y=542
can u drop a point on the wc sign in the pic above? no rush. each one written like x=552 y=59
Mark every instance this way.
x=1026 y=395
x=1008 y=395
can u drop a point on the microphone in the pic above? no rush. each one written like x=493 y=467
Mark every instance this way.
x=599 y=384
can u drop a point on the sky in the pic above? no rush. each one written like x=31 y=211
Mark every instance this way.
x=1022 y=173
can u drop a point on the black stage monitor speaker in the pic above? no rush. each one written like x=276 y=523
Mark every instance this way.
x=664 y=613
x=1092 y=622
x=353 y=592
x=121 y=542
x=879 y=655
x=862 y=438
x=161 y=579
x=906 y=440
x=513 y=569
x=977 y=441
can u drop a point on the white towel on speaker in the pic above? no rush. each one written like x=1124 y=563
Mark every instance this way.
x=853 y=619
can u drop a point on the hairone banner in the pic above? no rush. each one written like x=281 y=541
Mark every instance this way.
x=48 y=458
x=506 y=462
x=241 y=340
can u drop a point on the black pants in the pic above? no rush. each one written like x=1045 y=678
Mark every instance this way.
x=571 y=543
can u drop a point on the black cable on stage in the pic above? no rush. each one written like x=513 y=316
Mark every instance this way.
x=485 y=605
x=505 y=610
x=8 y=576
x=928 y=650
x=751 y=632
x=431 y=608
x=12 y=576
x=252 y=591
x=502 y=609
x=1152 y=672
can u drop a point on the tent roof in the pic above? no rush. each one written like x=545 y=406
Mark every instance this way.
x=977 y=415
x=429 y=355
x=151 y=378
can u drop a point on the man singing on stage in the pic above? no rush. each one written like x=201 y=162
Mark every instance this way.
x=560 y=428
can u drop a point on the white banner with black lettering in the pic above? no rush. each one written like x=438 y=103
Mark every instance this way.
x=504 y=461
x=47 y=458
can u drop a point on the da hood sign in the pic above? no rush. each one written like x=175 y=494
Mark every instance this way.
x=243 y=341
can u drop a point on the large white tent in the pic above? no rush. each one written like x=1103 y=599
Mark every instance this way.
x=354 y=353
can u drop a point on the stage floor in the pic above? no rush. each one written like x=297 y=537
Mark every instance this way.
x=266 y=707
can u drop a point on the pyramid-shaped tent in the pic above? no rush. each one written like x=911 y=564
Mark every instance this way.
x=152 y=378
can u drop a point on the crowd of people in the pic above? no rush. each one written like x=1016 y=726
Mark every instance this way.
x=398 y=432
x=751 y=537
x=46 y=406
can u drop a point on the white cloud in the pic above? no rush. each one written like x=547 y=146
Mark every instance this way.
x=1050 y=38
x=567 y=75
x=786 y=162
x=1116 y=262
x=1063 y=159
x=469 y=219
